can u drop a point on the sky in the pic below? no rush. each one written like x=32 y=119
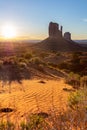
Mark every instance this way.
x=31 y=18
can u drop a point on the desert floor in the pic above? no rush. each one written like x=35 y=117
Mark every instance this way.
x=33 y=96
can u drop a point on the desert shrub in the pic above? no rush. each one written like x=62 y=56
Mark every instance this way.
x=44 y=54
x=75 y=99
x=2 y=125
x=76 y=80
x=78 y=101
x=73 y=79
x=7 y=125
x=76 y=64
x=34 y=122
x=37 y=61
x=40 y=67
x=58 y=54
x=22 y=59
x=28 y=55
x=23 y=125
x=22 y=65
x=10 y=60
x=14 y=58
x=83 y=81
x=76 y=56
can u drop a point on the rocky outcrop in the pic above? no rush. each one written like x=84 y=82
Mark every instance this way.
x=57 y=42
x=67 y=35
x=54 y=30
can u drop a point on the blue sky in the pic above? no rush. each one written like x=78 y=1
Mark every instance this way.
x=31 y=17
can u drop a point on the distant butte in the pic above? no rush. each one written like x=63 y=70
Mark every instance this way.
x=55 y=32
x=56 y=41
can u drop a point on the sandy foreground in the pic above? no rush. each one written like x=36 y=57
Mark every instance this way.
x=33 y=96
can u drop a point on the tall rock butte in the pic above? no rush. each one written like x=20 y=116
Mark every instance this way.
x=57 y=41
x=54 y=30
x=67 y=35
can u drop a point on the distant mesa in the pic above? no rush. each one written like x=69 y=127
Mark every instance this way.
x=57 y=41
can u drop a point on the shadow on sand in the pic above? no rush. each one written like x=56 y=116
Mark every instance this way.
x=13 y=73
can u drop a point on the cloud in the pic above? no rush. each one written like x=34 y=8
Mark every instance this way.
x=85 y=20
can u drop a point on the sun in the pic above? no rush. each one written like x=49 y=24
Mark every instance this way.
x=9 y=31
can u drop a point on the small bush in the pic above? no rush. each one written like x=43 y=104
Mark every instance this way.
x=58 y=54
x=7 y=125
x=74 y=80
x=74 y=99
x=27 y=55
x=40 y=67
x=37 y=61
x=34 y=122
x=23 y=125
x=44 y=54
x=83 y=81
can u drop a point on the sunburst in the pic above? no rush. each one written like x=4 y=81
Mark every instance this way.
x=9 y=31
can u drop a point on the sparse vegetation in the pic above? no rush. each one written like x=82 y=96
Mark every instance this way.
x=76 y=80
x=7 y=125
x=73 y=118
x=28 y=56
x=77 y=64
x=37 y=61
x=23 y=65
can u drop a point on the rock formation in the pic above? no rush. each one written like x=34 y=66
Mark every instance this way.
x=54 y=30
x=67 y=35
x=57 y=42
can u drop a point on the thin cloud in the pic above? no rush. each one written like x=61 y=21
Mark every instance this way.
x=85 y=20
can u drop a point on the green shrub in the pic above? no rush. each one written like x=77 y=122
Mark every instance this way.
x=83 y=81
x=23 y=125
x=74 y=99
x=34 y=122
x=73 y=79
x=7 y=125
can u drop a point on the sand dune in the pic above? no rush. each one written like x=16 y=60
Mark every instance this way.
x=31 y=96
